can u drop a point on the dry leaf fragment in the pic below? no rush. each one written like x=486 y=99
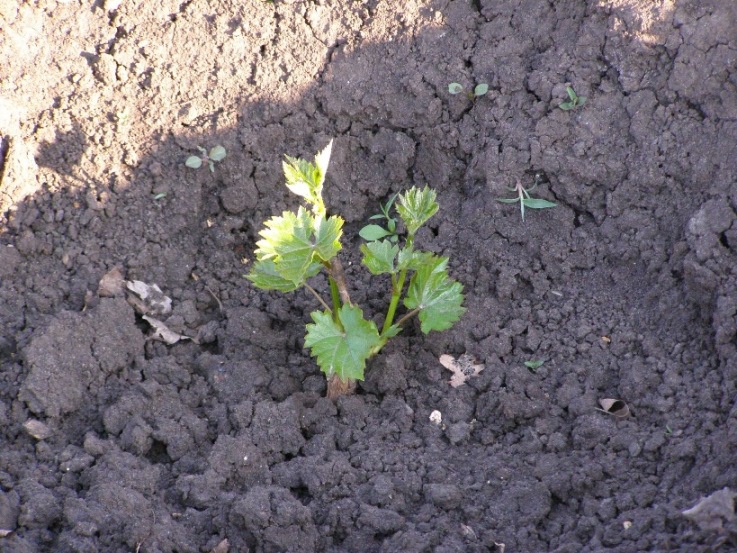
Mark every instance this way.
x=111 y=284
x=163 y=332
x=711 y=512
x=148 y=299
x=463 y=368
x=615 y=407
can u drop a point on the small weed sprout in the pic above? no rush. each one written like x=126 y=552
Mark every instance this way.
x=479 y=90
x=525 y=200
x=298 y=245
x=574 y=100
x=216 y=154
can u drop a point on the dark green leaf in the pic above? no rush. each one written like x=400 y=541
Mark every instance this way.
x=437 y=296
x=373 y=232
x=343 y=348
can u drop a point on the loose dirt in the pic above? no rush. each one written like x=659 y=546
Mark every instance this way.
x=111 y=441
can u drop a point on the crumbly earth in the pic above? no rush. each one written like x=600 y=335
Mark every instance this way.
x=111 y=441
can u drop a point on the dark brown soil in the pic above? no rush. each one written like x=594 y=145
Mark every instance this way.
x=111 y=441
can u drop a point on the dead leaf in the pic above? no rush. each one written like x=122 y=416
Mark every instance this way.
x=163 y=333
x=148 y=299
x=5 y=533
x=222 y=547
x=463 y=368
x=711 y=512
x=111 y=284
x=615 y=407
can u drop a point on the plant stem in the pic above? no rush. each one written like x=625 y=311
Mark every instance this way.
x=335 y=297
x=408 y=316
x=335 y=269
x=319 y=298
x=396 y=294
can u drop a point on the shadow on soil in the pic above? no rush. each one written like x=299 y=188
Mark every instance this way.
x=626 y=290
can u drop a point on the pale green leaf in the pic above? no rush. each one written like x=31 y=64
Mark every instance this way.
x=413 y=259
x=193 y=162
x=264 y=275
x=538 y=203
x=480 y=89
x=436 y=295
x=508 y=200
x=287 y=242
x=379 y=256
x=322 y=160
x=217 y=153
x=327 y=237
x=300 y=176
x=416 y=206
x=373 y=232
x=343 y=348
x=455 y=88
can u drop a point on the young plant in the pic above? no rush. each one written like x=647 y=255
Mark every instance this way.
x=217 y=153
x=574 y=100
x=525 y=200
x=478 y=91
x=377 y=232
x=298 y=245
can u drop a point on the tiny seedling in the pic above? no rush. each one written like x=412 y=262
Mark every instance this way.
x=525 y=200
x=377 y=232
x=478 y=91
x=574 y=100
x=217 y=153
x=298 y=245
x=534 y=364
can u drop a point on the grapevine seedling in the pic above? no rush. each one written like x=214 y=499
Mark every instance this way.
x=478 y=91
x=217 y=153
x=525 y=200
x=298 y=245
x=574 y=100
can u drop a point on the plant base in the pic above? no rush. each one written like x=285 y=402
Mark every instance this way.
x=338 y=387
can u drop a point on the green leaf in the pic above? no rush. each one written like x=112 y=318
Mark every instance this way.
x=416 y=207
x=480 y=89
x=217 y=153
x=327 y=237
x=265 y=276
x=303 y=179
x=379 y=256
x=571 y=94
x=322 y=160
x=538 y=203
x=534 y=364
x=455 y=88
x=508 y=200
x=342 y=351
x=436 y=295
x=193 y=162
x=287 y=242
x=373 y=232
x=413 y=260
x=581 y=100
